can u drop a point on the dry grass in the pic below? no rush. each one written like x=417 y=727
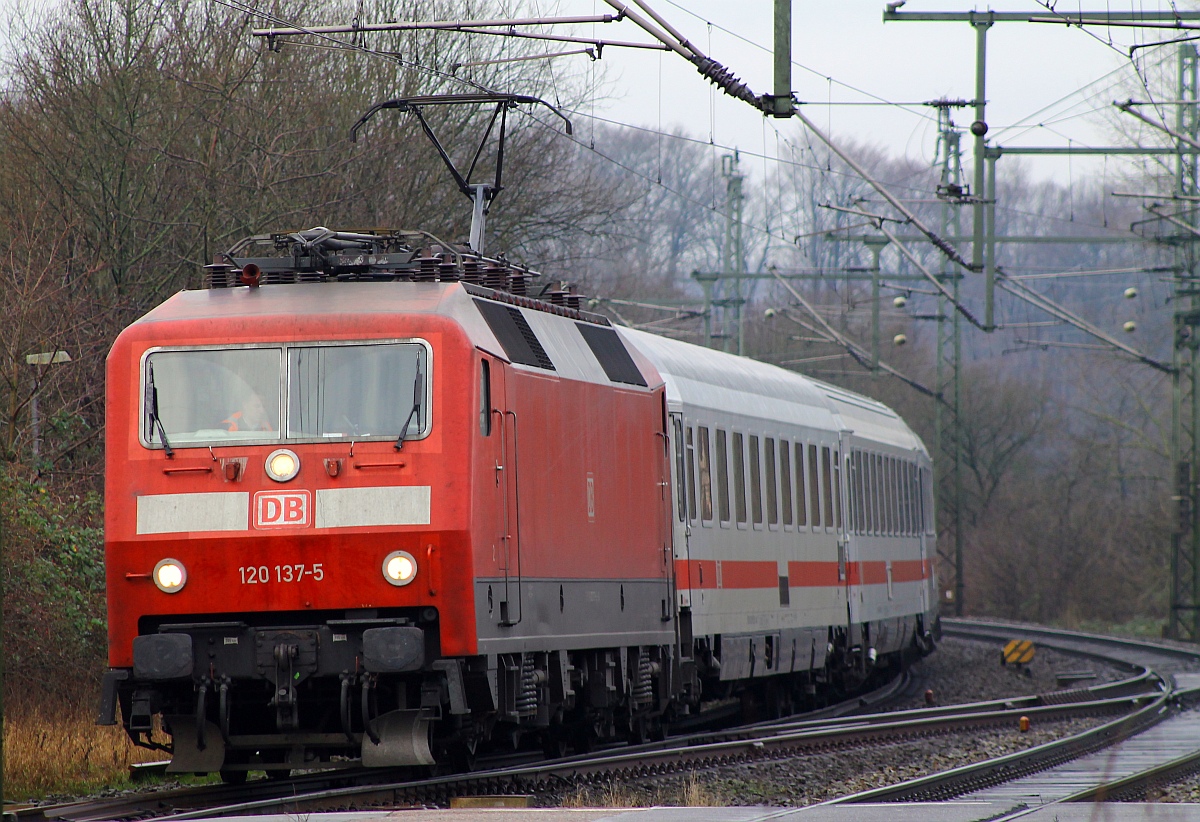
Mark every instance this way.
x=65 y=754
x=693 y=792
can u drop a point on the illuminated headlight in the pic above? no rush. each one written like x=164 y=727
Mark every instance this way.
x=282 y=465
x=399 y=568
x=170 y=576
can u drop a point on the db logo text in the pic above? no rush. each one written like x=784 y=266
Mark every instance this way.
x=282 y=509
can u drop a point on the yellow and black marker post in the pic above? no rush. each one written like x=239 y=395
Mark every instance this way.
x=1018 y=652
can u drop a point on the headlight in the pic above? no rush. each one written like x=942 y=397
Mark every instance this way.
x=282 y=465
x=399 y=568
x=170 y=576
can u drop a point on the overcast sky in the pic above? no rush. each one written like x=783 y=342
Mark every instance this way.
x=1046 y=83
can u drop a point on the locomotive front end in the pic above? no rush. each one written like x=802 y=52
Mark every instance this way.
x=284 y=521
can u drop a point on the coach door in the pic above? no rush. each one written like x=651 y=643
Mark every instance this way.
x=680 y=531
x=507 y=444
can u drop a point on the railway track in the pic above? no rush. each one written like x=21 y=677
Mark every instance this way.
x=1121 y=759
x=1135 y=702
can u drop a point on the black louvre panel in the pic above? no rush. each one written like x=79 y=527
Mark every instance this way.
x=511 y=329
x=612 y=354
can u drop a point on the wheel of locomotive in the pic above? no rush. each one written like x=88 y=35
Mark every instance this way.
x=279 y=773
x=555 y=742
x=639 y=731
x=232 y=777
x=583 y=738
x=461 y=756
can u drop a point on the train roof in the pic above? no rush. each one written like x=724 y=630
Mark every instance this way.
x=731 y=384
x=568 y=342
x=693 y=374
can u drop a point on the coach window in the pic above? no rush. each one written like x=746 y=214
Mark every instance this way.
x=722 y=475
x=756 y=508
x=896 y=506
x=827 y=486
x=889 y=510
x=927 y=500
x=885 y=511
x=680 y=492
x=869 y=488
x=801 y=504
x=739 y=478
x=856 y=502
x=785 y=479
x=691 y=473
x=906 y=486
x=814 y=487
x=705 y=478
x=485 y=398
x=914 y=500
x=851 y=493
x=772 y=484
x=837 y=489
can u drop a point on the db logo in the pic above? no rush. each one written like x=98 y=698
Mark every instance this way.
x=282 y=509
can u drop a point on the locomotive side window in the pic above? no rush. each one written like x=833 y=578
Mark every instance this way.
x=739 y=477
x=801 y=507
x=722 y=475
x=756 y=507
x=706 y=508
x=827 y=483
x=485 y=398
x=347 y=391
x=691 y=474
x=814 y=486
x=207 y=395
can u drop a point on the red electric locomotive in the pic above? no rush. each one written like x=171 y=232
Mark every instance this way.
x=319 y=534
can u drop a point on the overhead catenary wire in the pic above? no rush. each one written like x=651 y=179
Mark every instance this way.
x=722 y=78
x=860 y=354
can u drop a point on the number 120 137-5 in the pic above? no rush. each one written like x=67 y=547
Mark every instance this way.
x=262 y=574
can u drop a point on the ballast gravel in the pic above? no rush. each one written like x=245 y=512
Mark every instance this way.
x=960 y=671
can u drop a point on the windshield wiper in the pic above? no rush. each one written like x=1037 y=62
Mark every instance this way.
x=418 y=391
x=152 y=410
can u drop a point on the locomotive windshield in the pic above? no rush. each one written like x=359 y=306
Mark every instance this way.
x=212 y=396
x=354 y=390
x=215 y=394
